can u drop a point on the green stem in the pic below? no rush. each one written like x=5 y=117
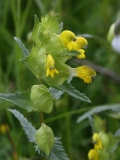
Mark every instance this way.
x=41 y=118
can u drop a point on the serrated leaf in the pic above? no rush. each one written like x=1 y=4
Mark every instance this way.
x=57 y=152
x=117 y=133
x=21 y=99
x=99 y=124
x=97 y=110
x=68 y=88
x=55 y=93
x=49 y=23
x=91 y=121
x=114 y=141
x=27 y=126
x=35 y=31
x=60 y=27
x=22 y=46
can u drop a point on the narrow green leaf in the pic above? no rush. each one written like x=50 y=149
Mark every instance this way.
x=55 y=93
x=60 y=27
x=21 y=99
x=67 y=87
x=98 y=109
x=91 y=121
x=22 y=46
x=27 y=126
x=70 y=53
x=35 y=31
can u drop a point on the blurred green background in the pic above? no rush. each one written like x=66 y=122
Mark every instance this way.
x=91 y=17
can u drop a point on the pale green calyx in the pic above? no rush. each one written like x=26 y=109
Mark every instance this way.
x=45 y=138
x=41 y=98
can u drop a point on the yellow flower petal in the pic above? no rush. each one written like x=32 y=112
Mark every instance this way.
x=81 y=42
x=50 y=69
x=81 y=55
x=86 y=73
x=97 y=141
x=71 y=45
x=67 y=36
x=93 y=155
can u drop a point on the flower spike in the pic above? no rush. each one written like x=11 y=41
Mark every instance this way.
x=50 y=66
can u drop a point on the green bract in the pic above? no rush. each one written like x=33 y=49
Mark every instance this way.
x=41 y=98
x=45 y=138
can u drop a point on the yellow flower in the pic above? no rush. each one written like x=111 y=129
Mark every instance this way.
x=50 y=66
x=81 y=43
x=71 y=45
x=97 y=141
x=68 y=38
x=93 y=155
x=85 y=72
x=81 y=55
x=4 y=128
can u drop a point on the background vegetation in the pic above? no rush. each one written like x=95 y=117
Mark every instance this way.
x=91 y=17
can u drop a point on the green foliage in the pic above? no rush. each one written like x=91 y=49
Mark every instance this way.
x=21 y=99
x=27 y=126
x=22 y=46
x=57 y=151
x=17 y=20
x=56 y=94
x=68 y=88
x=97 y=110
x=49 y=24
x=35 y=31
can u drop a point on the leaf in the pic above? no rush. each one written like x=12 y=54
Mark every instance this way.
x=99 y=124
x=22 y=46
x=50 y=24
x=70 y=53
x=114 y=142
x=117 y=134
x=21 y=99
x=57 y=152
x=98 y=109
x=35 y=31
x=60 y=27
x=55 y=93
x=27 y=126
x=67 y=87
